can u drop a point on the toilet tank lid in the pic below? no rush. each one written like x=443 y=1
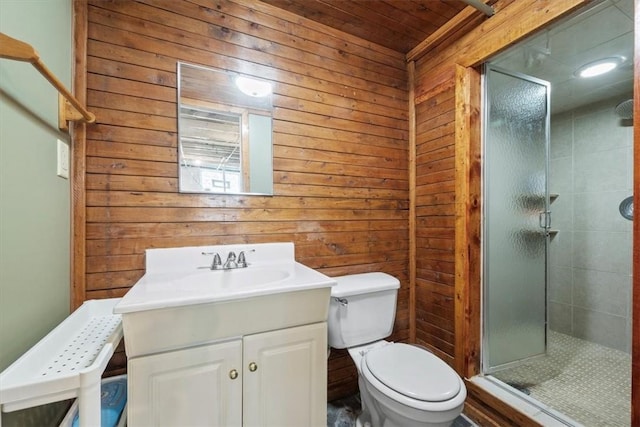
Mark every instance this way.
x=356 y=284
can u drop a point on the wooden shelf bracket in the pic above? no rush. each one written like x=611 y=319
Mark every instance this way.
x=69 y=108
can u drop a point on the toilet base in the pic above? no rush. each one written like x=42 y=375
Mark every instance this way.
x=359 y=423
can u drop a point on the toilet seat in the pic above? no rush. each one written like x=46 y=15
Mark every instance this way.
x=411 y=375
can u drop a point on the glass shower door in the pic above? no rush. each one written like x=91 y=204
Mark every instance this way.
x=516 y=217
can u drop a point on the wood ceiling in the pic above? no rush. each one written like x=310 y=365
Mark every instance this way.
x=396 y=24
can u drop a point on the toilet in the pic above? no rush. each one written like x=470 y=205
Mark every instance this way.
x=401 y=385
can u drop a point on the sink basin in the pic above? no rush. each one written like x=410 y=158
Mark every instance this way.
x=232 y=279
x=162 y=290
x=179 y=302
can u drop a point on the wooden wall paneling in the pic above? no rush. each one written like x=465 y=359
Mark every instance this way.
x=307 y=35
x=189 y=41
x=411 y=67
x=341 y=156
x=488 y=410
x=438 y=83
x=434 y=214
x=468 y=218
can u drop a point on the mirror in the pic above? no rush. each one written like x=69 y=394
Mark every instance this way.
x=224 y=132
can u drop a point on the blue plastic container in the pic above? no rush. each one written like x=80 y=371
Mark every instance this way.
x=113 y=398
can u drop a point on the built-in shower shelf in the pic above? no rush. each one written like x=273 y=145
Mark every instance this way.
x=553 y=196
x=66 y=363
x=553 y=232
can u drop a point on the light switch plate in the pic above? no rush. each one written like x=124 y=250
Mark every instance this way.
x=63 y=160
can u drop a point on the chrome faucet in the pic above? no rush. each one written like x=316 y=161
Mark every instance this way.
x=230 y=262
x=235 y=262
x=216 y=264
x=242 y=261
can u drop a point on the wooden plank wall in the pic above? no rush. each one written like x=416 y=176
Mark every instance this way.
x=435 y=221
x=436 y=186
x=340 y=145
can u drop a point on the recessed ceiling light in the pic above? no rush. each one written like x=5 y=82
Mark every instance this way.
x=599 y=67
x=253 y=87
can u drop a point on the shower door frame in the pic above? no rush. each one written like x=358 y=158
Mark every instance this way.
x=486 y=367
x=468 y=254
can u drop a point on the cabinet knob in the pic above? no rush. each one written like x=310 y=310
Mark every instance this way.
x=253 y=367
x=233 y=374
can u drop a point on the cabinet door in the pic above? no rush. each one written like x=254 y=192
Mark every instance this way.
x=190 y=387
x=287 y=386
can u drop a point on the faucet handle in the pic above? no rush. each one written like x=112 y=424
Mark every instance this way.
x=231 y=261
x=242 y=261
x=217 y=262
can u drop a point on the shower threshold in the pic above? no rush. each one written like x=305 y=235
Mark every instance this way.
x=522 y=402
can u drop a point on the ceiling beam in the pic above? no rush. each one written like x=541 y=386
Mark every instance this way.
x=442 y=33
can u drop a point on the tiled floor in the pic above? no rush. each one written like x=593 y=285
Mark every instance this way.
x=343 y=413
x=585 y=381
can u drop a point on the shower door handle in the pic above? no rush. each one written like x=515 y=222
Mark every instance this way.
x=544 y=220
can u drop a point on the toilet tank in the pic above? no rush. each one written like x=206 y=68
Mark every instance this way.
x=362 y=309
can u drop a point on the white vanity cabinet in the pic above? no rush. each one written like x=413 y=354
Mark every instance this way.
x=275 y=378
x=188 y=387
x=287 y=386
x=243 y=346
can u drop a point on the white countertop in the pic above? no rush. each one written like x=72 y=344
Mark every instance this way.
x=177 y=277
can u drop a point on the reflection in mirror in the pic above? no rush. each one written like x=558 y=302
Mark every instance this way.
x=224 y=129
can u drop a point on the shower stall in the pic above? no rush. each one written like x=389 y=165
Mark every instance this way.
x=557 y=234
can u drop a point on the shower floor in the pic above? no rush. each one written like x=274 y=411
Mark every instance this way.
x=585 y=381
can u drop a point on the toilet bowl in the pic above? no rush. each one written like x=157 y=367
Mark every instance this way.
x=409 y=385
x=401 y=385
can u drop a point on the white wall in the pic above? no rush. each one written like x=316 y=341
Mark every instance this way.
x=34 y=202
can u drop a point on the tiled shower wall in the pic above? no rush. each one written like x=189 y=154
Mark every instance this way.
x=590 y=257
